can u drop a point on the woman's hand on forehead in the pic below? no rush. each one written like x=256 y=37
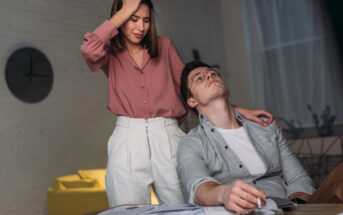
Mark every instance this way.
x=131 y=5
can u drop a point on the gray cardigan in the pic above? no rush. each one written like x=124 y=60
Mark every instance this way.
x=203 y=155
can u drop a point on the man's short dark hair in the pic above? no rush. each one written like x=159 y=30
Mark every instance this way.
x=189 y=67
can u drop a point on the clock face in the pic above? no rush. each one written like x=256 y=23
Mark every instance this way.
x=29 y=75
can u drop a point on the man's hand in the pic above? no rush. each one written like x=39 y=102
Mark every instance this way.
x=299 y=195
x=241 y=196
x=253 y=115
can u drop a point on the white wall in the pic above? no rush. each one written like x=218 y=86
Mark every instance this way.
x=190 y=24
x=215 y=28
x=234 y=57
x=69 y=129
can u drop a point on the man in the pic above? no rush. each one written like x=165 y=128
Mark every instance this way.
x=228 y=160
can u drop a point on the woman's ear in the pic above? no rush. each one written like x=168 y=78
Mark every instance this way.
x=192 y=102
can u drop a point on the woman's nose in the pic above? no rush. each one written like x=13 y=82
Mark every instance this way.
x=140 y=25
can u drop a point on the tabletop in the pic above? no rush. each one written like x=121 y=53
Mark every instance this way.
x=316 y=209
x=303 y=209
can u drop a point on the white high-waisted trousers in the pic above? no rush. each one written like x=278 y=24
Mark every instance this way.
x=141 y=154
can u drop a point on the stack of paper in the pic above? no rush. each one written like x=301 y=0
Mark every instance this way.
x=272 y=207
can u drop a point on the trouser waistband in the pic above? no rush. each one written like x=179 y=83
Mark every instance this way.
x=137 y=122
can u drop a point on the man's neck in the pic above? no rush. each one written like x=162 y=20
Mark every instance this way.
x=221 y=114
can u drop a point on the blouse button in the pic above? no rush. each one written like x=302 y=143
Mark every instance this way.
x=212 y=130
x=143 y=87
x=240 y=165
x=226 y=147
x=144 y=101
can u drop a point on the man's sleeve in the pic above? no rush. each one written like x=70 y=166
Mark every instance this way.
x=192 y=168
x=293 y=172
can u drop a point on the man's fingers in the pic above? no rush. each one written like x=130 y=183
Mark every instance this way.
x=244 y=196
x=252 y=190
x=259 y=121
x=266 y=114
x=234 y=207
x=249 y=197
x=240 y=205
x=246 y=200
x=270 y=118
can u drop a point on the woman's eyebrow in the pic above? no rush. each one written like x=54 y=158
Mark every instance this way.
x=135 y=16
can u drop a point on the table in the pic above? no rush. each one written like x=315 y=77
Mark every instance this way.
x=303 y=209
x=316 y=209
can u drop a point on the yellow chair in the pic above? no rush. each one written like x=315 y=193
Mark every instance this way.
x=80 y=193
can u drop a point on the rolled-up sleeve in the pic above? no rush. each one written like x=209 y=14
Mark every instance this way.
x=192 y=168
x=95 y=46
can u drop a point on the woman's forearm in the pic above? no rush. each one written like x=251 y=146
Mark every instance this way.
x=119 y=18
x=129 y=7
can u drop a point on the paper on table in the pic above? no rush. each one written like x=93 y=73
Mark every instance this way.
x=185 y=209
x=121 y=210
x=270 y=204
x=217 y=210
x=221 y=210
x=270 y=208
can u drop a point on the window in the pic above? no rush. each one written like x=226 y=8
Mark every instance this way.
x=292 y=61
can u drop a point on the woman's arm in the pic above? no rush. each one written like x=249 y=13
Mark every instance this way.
x=254 y=114
x=176 y=64
x=128 y=8
x=95 y=44
x=176 y=67
x=95 y=49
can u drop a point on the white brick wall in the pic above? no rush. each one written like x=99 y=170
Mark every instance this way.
x=69 y=129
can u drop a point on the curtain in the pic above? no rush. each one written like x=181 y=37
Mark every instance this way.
x=291 y=60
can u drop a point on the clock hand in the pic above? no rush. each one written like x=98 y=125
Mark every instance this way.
x=31 y=67
x=30 y=74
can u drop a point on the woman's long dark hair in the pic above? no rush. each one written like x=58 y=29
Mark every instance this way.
x=150 y=39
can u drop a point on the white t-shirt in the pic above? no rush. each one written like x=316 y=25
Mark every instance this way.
x=239 y=142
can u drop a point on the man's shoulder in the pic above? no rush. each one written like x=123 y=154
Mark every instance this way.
x=194 y=136
x=270 y=128
x=192 y=144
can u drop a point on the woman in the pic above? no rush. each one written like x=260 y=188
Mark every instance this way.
x=143 y=73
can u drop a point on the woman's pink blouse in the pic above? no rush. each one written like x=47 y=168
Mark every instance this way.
x=150 y=91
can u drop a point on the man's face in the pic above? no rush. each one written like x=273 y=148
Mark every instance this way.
x=205 y=86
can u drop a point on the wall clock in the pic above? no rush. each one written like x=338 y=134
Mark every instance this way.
x=29 y=75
